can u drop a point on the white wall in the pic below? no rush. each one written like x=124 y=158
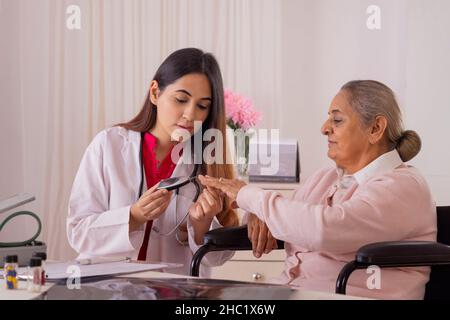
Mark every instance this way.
x=426 y=96
x=326 y=43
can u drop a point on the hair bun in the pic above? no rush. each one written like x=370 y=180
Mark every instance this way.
x=408 y=145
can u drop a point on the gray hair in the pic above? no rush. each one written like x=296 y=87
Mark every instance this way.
x=371 y=99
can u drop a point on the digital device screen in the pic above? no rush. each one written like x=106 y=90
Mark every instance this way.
x=173 y=183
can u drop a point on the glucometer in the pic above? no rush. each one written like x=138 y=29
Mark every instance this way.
x=174 y=183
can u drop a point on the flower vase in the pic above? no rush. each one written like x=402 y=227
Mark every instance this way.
x=241 y=153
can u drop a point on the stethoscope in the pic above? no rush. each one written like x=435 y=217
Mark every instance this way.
x=173 y=183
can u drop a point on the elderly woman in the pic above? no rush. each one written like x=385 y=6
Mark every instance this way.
x=371 y=196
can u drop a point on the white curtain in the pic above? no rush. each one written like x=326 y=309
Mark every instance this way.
x=74 y=83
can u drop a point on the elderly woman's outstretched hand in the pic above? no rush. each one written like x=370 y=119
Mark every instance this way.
x=230 y=187
x=258 y=233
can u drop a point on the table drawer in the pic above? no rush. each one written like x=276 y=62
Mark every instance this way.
x=260 y=271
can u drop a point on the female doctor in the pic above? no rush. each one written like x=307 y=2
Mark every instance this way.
x=109 y=212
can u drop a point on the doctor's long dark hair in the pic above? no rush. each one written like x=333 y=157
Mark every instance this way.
x=178 y=64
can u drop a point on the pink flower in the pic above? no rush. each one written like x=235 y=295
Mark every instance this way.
x=240 y=111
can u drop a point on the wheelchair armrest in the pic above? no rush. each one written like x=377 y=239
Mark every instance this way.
x=395 y=254
x=232 y=237
x=226 y=238
x=403 y=253
x=235 y=237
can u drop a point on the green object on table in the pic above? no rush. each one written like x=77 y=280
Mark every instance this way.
x=21 y=243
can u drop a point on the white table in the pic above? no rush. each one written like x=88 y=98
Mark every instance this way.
x=22 y=294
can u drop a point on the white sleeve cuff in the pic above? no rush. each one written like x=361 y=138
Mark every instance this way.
x=211 y=259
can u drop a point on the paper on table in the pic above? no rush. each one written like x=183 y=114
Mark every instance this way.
x=55 y=271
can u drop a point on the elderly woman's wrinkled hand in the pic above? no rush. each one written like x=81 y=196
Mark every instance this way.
x=260 y=236
x=230 y=187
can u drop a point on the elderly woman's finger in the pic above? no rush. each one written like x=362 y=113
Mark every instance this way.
x=274 y=244
x=254 y=238
x=251 y=223
x=228 y=188
x=207 y=178
x=217 y=181
x=228 y=191
x=210 y=182
x=269 y=243
x=226 y=181
x=249 y=230
x=261 y=243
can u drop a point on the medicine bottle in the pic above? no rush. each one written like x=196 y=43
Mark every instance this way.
x=34 y=280
x=43 y=257
x=10 y=271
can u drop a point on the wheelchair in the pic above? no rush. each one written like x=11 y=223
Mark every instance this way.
x=392 y=254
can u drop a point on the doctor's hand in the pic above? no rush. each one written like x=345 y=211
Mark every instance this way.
x=260 y=236
x=208 y=204
x=201 y=213
x=230 y=187
x=150 y=206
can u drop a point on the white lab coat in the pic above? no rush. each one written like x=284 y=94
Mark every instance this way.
x=105 y=187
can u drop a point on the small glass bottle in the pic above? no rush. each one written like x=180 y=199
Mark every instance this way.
x=10 y=271
x=34 y=281
x=43 y=257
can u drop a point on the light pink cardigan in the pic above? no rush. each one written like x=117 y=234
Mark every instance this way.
x=320 y=239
